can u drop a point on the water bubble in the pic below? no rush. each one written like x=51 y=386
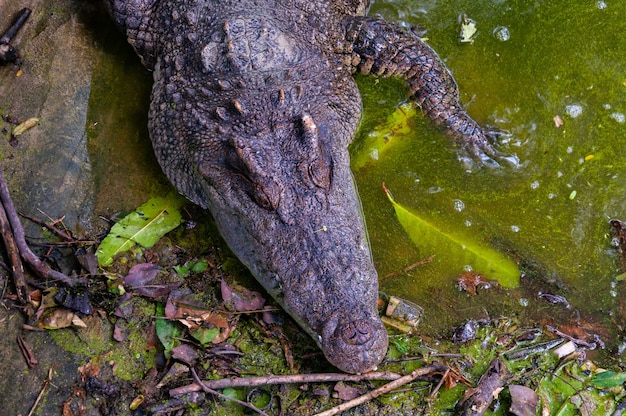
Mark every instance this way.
x=574 y=110
x=502 y=33
x=459 y=205
x=534 y=185
x=601 y=5
x=523 y=302
x=515 y=228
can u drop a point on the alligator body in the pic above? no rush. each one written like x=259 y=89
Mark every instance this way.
x=253 y=108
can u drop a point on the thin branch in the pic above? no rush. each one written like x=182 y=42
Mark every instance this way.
x=15 y=262
x=46 y=382
x=50 y=227
x=282 y=379
x=223 y=396
x=443 y=379
x=410 y=267
x=39 y=267
x=434 y=367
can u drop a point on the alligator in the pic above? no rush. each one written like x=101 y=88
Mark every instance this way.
x=252 y=110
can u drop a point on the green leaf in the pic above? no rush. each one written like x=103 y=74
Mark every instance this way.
x=380 y=139
x=401 y=345
x=168 y=332
x=460 y=250
x=608 y=379
x=145 y=226
x=234 y=393
x=191 y=267
x=200 y=266
x=205 y=335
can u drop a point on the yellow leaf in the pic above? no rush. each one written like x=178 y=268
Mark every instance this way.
x=458 y=249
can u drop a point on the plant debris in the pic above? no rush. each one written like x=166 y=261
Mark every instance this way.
x=252 y=355
x=468 y=29
x=470 y=281
x=478 y=399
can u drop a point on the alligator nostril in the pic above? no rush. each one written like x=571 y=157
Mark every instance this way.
x=357 y=332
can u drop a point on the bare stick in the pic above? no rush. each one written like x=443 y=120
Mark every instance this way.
x=50 y=227
x=287 y=379
x=411 y=267
x=15 y=262
x=223 y=396
x=39 y=267
x=384 y=389
x=46 y=382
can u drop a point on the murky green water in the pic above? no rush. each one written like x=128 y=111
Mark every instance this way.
x=562 y=59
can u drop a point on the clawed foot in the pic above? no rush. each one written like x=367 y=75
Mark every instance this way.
x=482 y=150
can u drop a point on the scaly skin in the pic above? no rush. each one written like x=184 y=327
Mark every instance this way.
x=253 y=109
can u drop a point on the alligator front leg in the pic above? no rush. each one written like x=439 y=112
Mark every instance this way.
x=384 y=49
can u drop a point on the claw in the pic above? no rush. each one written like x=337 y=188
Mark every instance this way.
x=483 y=151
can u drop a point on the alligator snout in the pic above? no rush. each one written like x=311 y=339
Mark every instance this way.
x=357 y=332
x=356 y=346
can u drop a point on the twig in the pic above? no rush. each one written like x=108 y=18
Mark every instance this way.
x=384 y=389
x=46 y=382
x=577 y=341
x=39 y=267
x=223 y=396
x=31 y=361
x=410 y=267
x=50 y=227
x=17 y=270
x=286 y=379
x=443 y=379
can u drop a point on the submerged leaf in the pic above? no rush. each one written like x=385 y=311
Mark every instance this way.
x=468 y=30
x=145 y=226
x=381 y=138
x=483 y=260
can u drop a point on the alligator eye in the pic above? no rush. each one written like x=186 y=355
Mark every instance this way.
x=357 y=332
